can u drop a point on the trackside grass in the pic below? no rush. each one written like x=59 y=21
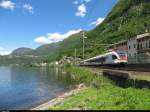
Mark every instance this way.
x=102 y=94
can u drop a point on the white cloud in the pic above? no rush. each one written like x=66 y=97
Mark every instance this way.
x=4 y=51
x=28 y=8
x=76 y=2
x=81 y=10
x=81 y=1
x=98 y=21
x=87 y=1
x=7 y=4
x=42 y=39
x=55 y=37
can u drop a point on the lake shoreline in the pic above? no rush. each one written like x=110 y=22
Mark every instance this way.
x=60 y=98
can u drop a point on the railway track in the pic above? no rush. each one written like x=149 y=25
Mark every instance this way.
x=128 y=67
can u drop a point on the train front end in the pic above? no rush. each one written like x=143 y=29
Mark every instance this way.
x=123 y=57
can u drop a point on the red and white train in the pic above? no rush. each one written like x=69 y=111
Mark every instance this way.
x=110 y=58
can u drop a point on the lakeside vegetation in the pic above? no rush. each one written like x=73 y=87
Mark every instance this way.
x=103 y=94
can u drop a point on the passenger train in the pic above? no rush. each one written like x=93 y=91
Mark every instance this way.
x=110 y=58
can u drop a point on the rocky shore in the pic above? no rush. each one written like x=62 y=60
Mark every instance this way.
x=60 y=99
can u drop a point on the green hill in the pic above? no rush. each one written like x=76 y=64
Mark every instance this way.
x=127 y=19
x=45 y=50
x=68 y=45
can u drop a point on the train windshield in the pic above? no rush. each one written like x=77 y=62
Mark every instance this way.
x=122 y=54
x=114 y=57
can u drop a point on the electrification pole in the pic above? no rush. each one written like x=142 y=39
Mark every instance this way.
x=75 y=56
x=83 y=44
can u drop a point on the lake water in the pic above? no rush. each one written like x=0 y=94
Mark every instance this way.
x=24 y=88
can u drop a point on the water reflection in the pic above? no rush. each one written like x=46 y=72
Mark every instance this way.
x=23 y=88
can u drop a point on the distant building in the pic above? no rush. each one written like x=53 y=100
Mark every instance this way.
x=143 y=43
x=69 y=60
x=138 y=48
x=143 y=48
x=132 y=50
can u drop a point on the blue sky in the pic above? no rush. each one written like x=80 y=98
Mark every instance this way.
x=31 y=23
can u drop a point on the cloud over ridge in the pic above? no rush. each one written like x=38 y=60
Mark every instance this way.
x=55 y=37
x=98 y=21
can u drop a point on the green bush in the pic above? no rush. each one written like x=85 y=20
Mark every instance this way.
x=83 y=75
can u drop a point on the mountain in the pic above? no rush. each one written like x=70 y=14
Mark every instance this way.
x=21 y=51
x=127 y=19
x=45 y=50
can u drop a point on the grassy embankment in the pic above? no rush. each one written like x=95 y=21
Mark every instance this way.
x=103 y=94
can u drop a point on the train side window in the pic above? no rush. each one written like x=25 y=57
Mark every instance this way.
x=138 y=46
x=129 y=47
x=114 y=57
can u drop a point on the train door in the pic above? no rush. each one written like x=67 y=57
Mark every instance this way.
x=108 y=59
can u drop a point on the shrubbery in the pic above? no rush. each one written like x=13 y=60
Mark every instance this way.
x=83 y=75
